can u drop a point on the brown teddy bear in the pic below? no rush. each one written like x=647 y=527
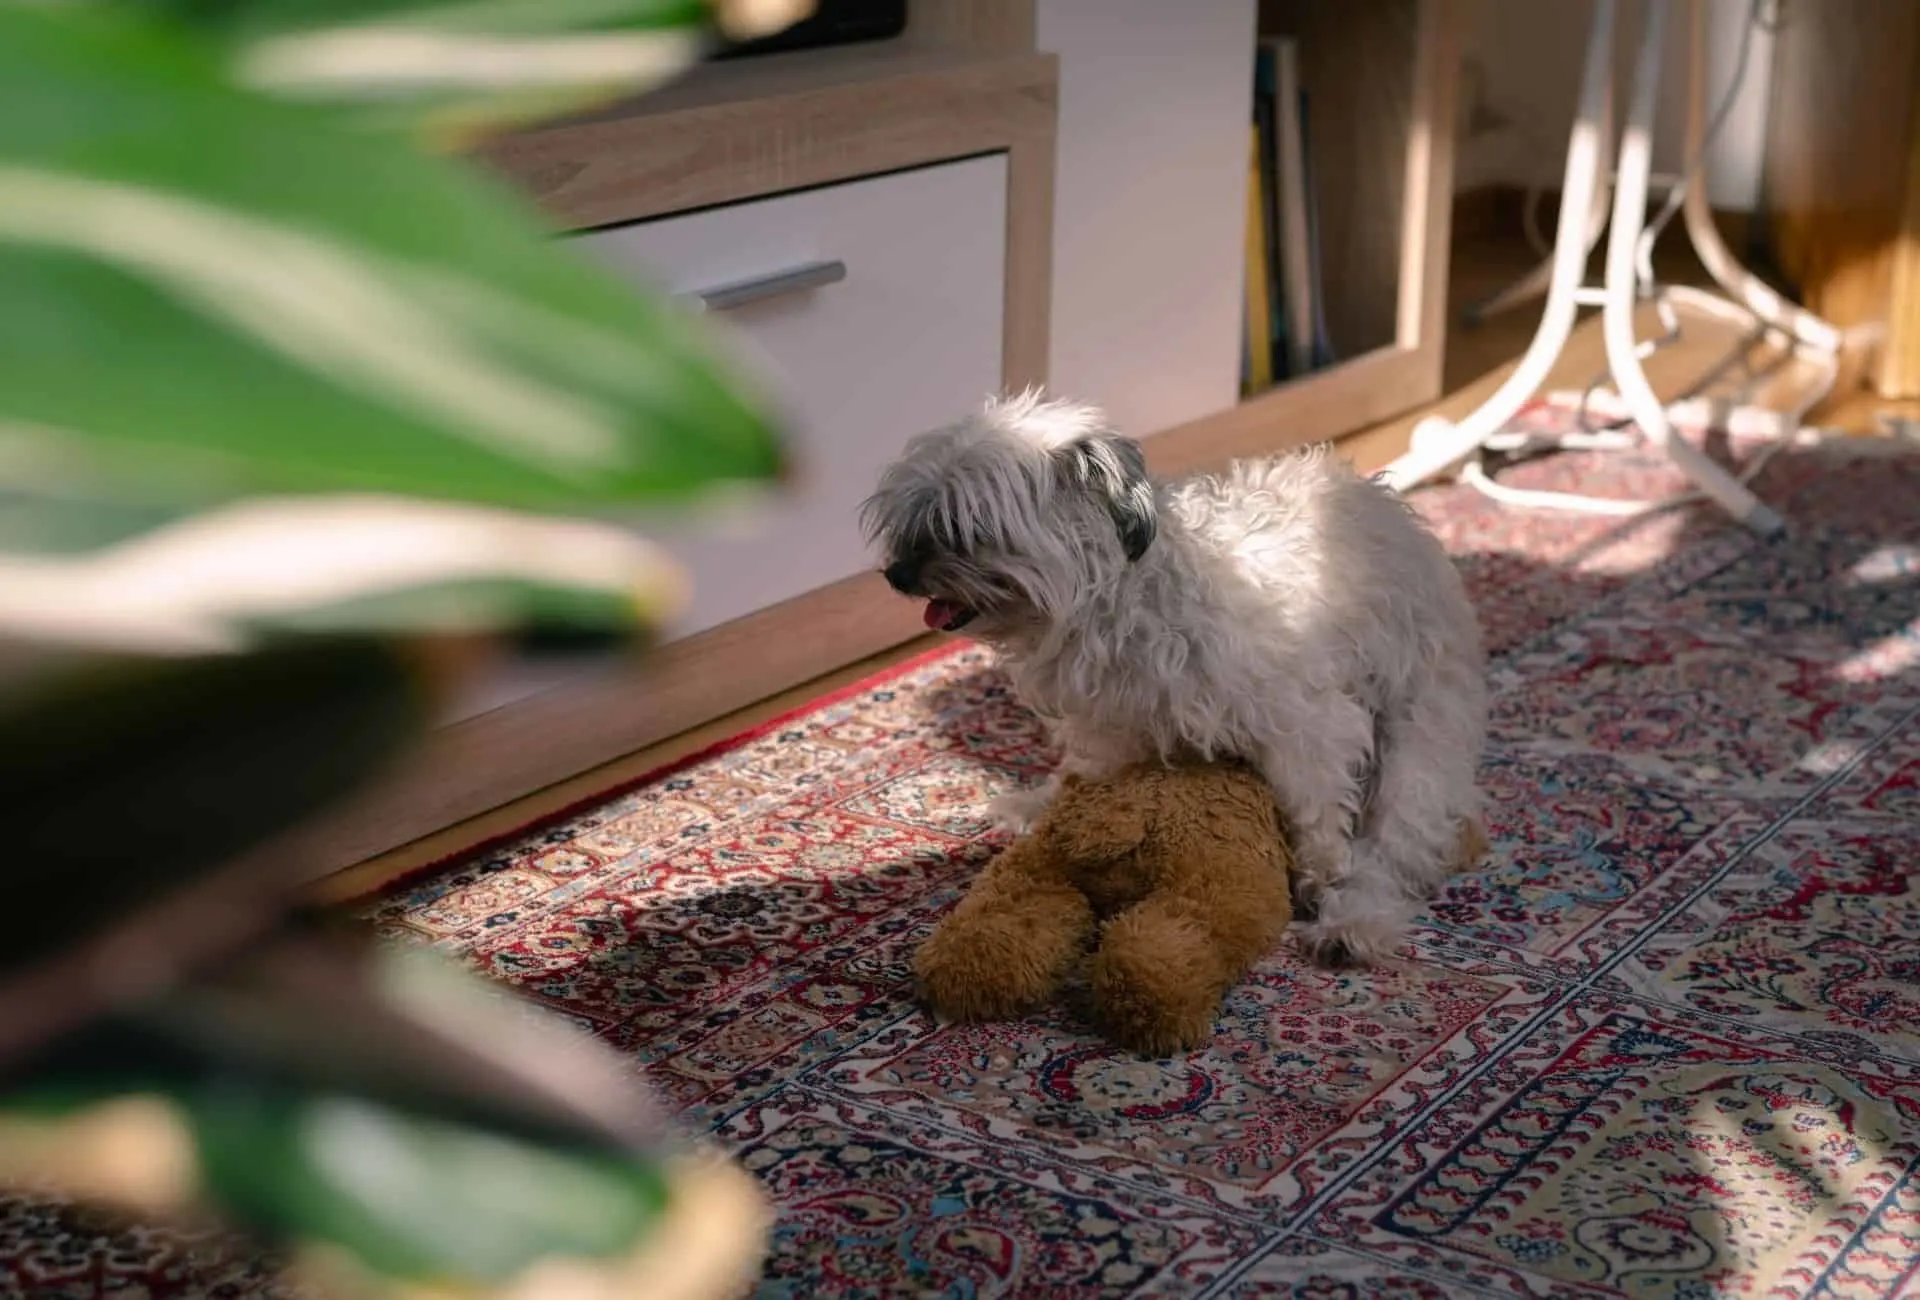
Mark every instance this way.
x=1184 y=870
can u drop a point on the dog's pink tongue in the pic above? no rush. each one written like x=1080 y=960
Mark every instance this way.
x=939 y=613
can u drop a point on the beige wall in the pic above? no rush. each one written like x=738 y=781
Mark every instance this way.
x=1524 y=56
x=1149 y=203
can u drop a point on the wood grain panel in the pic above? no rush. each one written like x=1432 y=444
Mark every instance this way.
x=1843 y=96
x=1358 y=66
x=1427 y=196
x=1004 y=26
x=736 y=136
x=1898 y=372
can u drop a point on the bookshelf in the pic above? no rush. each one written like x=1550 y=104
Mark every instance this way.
x=1377 y=78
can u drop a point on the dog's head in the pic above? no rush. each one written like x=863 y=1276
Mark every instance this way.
x=1009 y=518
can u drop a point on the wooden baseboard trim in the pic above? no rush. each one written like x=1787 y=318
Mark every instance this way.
x=601 y=782
x=1317 y=408
x=470 y=768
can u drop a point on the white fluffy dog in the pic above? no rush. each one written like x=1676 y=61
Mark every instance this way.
x=1287 y=612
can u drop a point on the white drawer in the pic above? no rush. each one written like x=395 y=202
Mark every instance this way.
x=910 y=339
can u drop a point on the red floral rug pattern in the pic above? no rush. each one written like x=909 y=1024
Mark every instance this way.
x=1665 y=1043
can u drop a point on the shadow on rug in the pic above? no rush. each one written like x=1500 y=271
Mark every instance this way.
x=1667 y=1042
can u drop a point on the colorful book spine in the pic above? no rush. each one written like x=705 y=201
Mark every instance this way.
x=1256 y=351
x=1264 y=103
x=1295 y=254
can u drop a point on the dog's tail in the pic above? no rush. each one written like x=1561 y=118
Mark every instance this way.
x=1471 y=846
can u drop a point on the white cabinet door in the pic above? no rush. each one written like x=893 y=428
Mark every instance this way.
x=907 y=338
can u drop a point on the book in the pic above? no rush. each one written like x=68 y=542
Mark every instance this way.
x=1323 y=353
x=1264 y=102
x=1256 y=348
x=1294 y=253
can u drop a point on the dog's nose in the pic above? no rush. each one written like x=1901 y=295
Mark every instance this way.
x=903 y=576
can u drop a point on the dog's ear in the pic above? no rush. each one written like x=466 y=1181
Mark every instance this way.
x=1114 y=468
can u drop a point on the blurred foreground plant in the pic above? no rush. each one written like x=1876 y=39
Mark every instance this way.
x=294 y=413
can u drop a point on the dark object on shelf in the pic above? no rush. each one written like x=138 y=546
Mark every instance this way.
x=834 y=22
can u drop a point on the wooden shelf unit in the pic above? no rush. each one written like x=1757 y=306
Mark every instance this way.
x=1381 y=76
x=966 y=79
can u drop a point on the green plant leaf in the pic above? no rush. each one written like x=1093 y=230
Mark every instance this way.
x=410 y=1196
x=413 y=1197
x=205 y=293
x=229 y=578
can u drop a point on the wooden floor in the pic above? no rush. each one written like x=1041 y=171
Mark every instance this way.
x=1479 y=357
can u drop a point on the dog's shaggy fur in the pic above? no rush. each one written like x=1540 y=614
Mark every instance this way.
x=1287 y=612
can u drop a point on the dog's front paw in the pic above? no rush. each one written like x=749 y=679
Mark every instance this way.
x=1347 y=945
x=1018 y=811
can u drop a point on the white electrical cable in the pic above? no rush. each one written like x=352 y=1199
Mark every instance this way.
x=1787 y=430
x=1696 y=166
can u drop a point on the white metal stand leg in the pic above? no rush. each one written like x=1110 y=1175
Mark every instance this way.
x=1537 y=281
x=1439 y=445
x=1629 y=216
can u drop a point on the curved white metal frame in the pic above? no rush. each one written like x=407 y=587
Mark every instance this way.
x=1441 y=446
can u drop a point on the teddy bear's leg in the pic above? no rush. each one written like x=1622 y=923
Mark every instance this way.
x=1008 y=946
x=1165 y=963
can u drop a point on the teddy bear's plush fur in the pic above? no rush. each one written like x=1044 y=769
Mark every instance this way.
x=1181 y=870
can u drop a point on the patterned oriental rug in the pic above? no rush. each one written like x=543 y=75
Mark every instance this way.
x=1666 y=1043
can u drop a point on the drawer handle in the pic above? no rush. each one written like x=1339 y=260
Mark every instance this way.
x=726 y=297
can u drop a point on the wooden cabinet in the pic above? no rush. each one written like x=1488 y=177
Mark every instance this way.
x=1841 y=192
x=925 y=165
x=925 y=168
x=903 y=335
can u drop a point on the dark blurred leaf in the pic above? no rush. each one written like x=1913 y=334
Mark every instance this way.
x=120 y=779
x=282 y=304
x=382 y=1101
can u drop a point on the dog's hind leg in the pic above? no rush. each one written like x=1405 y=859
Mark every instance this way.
x=1320 y=779
x=1424 y=797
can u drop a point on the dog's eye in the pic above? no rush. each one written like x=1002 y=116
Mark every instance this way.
x=936 y=541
